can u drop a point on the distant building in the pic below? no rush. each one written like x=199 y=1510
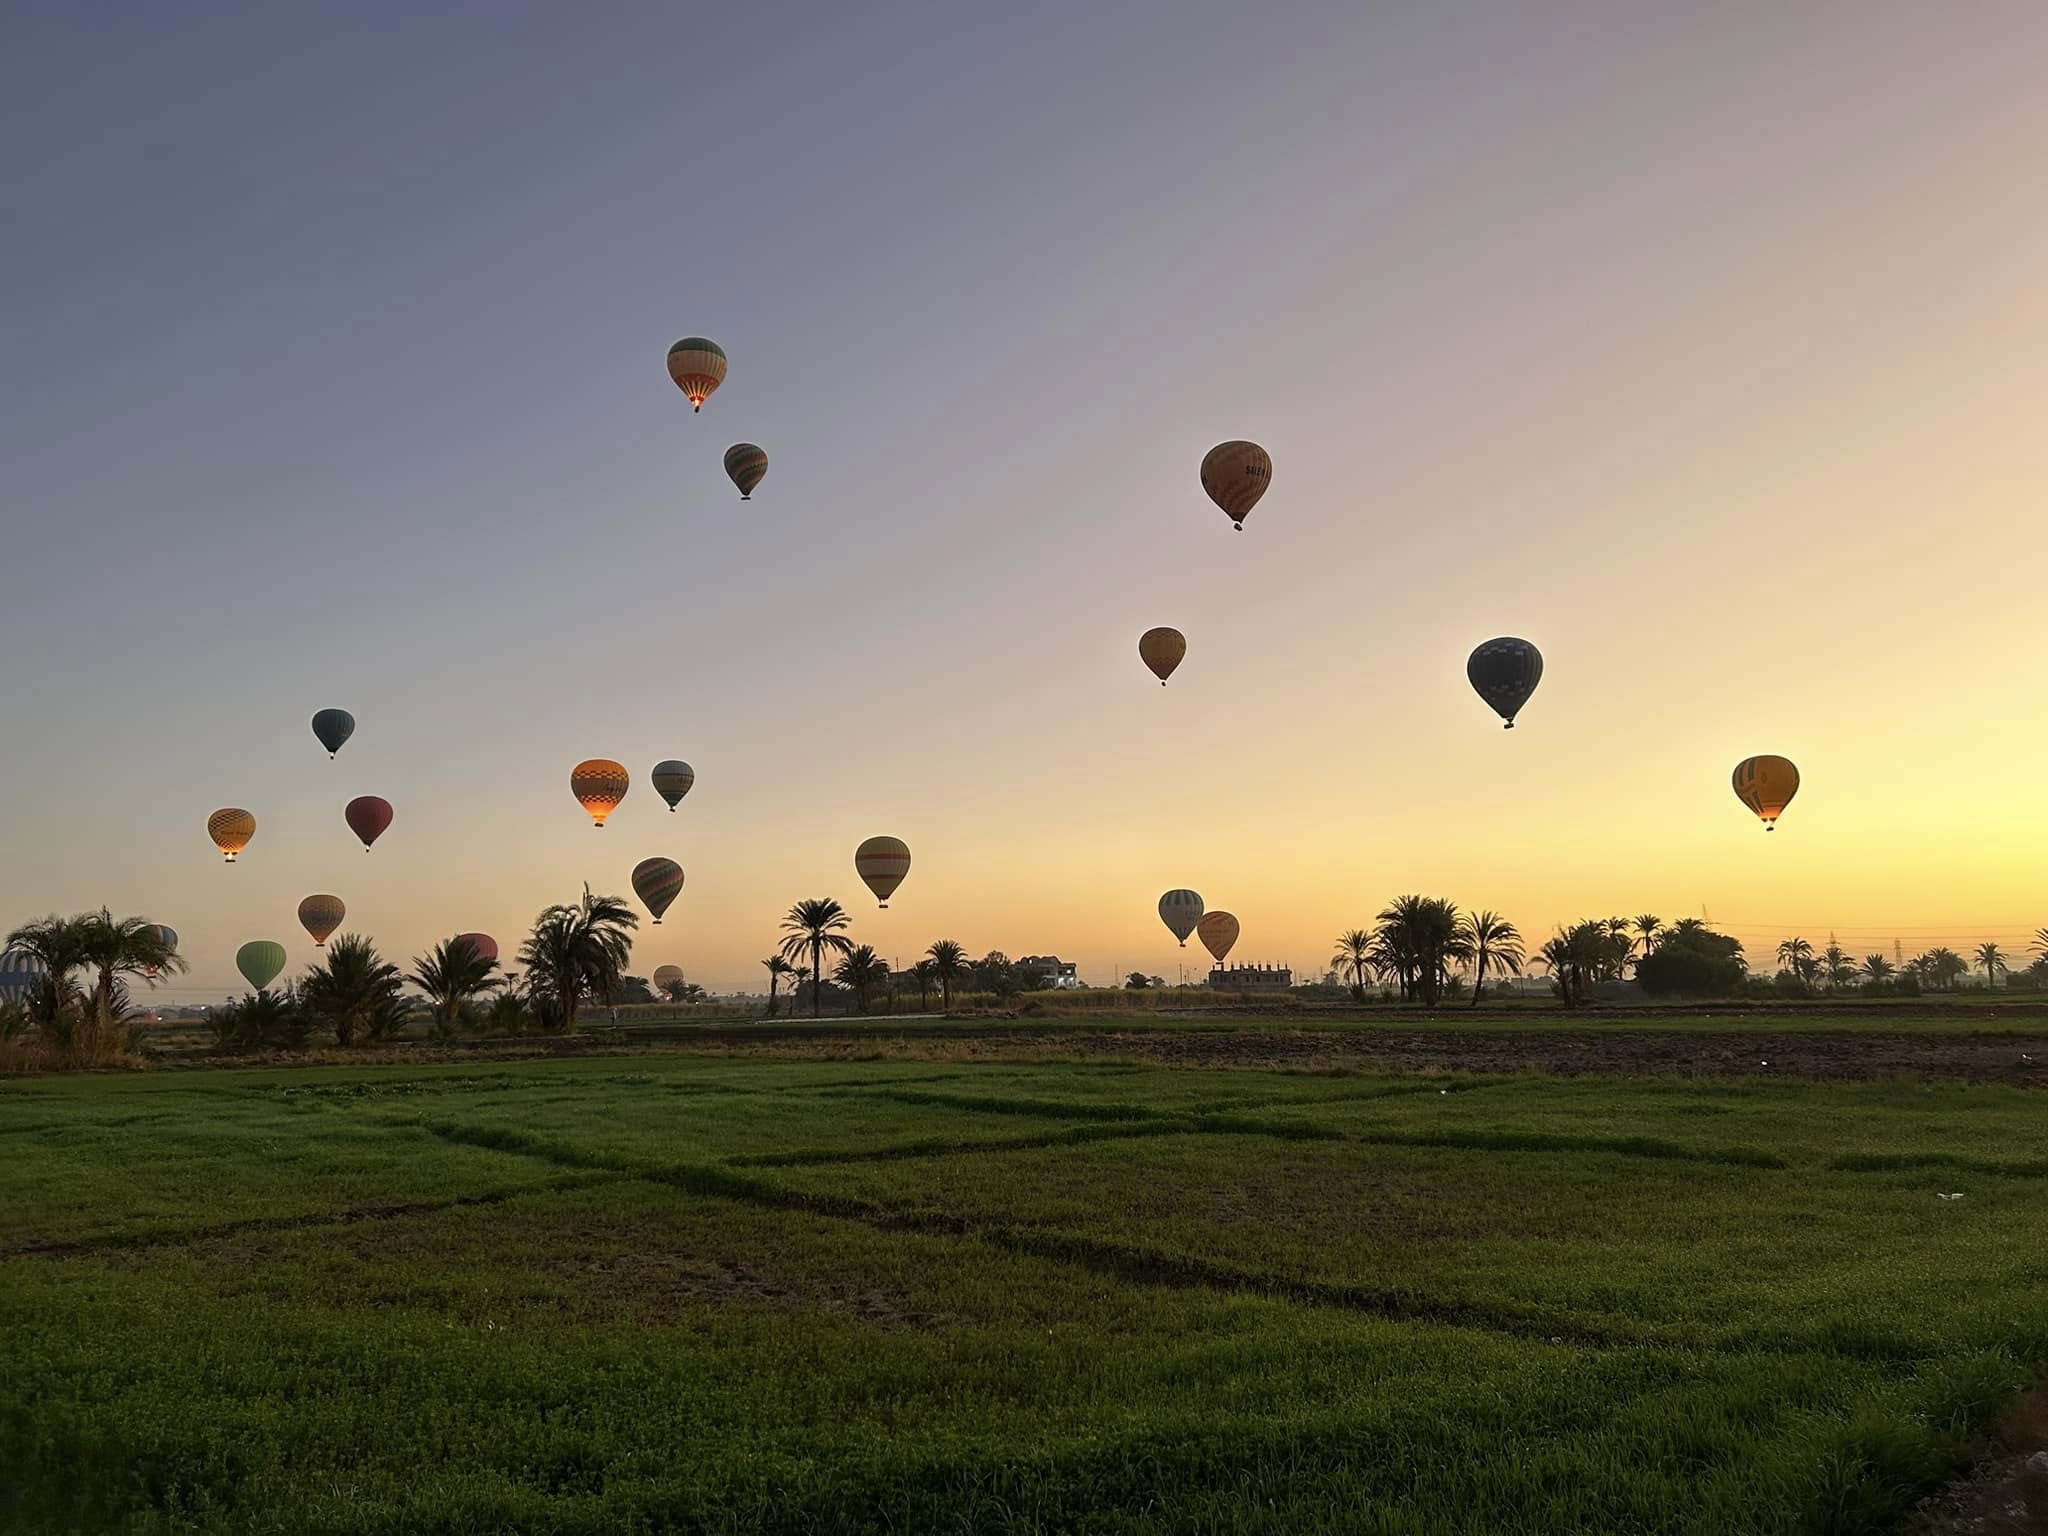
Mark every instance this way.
x=1049 y=972
x=1251 y=978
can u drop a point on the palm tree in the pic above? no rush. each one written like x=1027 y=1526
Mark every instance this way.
x=1575 y=957
x=777 y=968
x=1493 y=938
x=1620 y=944
x=1837 y=965
x=1944 y=965
x=1877 y=970
x=1796 y=956
x=1648 y=924
x=1354 y=954
x=579 y=949
x=1992 y=962
x=119 y=948
x=813 y=927
x=2038 y=946
x=355 y=991
x=926 y=972
x=949 y=964
x=59 y=942
x=858 y=971
x=453 y=975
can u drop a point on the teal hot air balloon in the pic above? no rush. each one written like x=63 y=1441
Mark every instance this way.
x=657 y=882
x=259 y=961
x=672 y=779
x=332 y=727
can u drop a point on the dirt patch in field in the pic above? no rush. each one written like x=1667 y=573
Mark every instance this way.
x=2007 y=1496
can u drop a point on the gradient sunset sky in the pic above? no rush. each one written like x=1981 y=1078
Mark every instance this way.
x=1705 y=346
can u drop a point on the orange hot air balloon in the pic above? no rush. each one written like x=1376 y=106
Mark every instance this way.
x=1218 y=932
x=230 y=830
x=320 y=916
x=599 y=784
x=698 y=367
x=1766 y=785
x=1236 y=475
x=1161 y=650
x=882 y=862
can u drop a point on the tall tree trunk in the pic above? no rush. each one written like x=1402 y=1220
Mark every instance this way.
x=1479 y=977
x=817 y=981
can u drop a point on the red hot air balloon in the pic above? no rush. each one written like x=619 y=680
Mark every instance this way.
x=367 y=816
x=485 y=946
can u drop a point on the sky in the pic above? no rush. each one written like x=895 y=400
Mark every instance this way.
x=1705 y=347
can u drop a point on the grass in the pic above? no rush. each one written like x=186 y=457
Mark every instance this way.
x=723 y=1294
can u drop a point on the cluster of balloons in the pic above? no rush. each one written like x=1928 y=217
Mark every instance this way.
x=697 y=364
x=1183 y=914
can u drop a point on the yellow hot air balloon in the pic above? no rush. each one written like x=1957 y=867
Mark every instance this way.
x=882 y=862
x=230 y=829
x=1236 y=475
x=1766 y=785
x=698 y=367
x=1161 y=650
x=1218 y=932
x=599 y=784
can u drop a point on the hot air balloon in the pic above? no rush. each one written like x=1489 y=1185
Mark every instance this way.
x=599 y=784
x=698 y=367
x=259 y=961
x=164 y=935
x=367 y=816
x=1236 y=475
x=1218 y=932
x=882 y=862
x=332 y=727
x=665 y=974
x=320 y=916
x=1505 y=672
x=657 y=882
x=485 y=946
x=20 y=974
x=1161 y=650
x=672 y=780
x=1766 y=785
x=1180 y=911
x=230 y=830
x=745 y=464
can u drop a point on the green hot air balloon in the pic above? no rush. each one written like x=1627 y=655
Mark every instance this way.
x=259 y=961
x=657 y=882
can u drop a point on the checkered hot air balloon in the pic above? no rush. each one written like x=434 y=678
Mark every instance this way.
x=599 y=784
x=230 y=828
x=320 y=916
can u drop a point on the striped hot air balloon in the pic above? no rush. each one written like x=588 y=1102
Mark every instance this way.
x=698 y=367
x=367 y=816
x=599 y=784
x=20 y=974
x=672 y=779
x=259 y=961
x=485 y=946
x=745 y=464
x=332 y=727
x=1218 y=933
x=1162 y=650
x=1180 y=911
x=1766 y=785
x=320 y=916
x=230 y=830
x=1504 y=672
x=657 y=882
x=882 y=862
x=1235 y=475
x=164 y=935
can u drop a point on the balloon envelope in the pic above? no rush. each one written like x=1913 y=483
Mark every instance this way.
x=664 y=974
x=230 y=830
x=599 y=784
x=259 y=961
x=1162 y=650
x=332 y=727
x=745 y=464
x=1236 y=474
x=698 y=367
x=1766 y=785
x=1180 y=911
x=367 y=816
x=321 y=915
x=882 y=862
x=1505 y=672
x=482 y=943
x=672 y=780
x=1218 y=932
x=20 y=973
x=656 y=882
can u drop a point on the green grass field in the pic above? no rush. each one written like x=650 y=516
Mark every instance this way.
x=686 y=1292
